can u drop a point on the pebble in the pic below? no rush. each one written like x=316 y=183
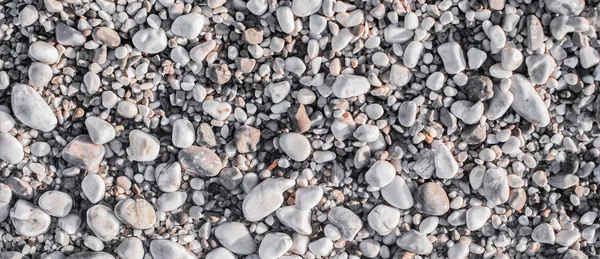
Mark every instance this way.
x=106 y=36
x=28 y=219
x=6 y=122
x=285 y=19
x=468 y=112
x=383 y=219
x=99 y=130
x=321 y=247
x=56 y=203
x=90 y=255
x=217 y=110
x=12 y=150
x=397 y=193
x=5 y=199
x=565 y=7
x=477 y=216
x=131 y=248
x=453 y=57
x=43 y=52
x=308 y=197
x=396 y=34
x=380 y=174
x=220 y=253
x=137 y=213
x=265 y=198
x=83 y=153
x=171 y=201
x=143 y=147
x=188 y=26
x=495 y=186
x=168 y=177
x=93 y=243
x=102 y=221
x=346 y=86
x=150 y=40
x=543 y=233
x=279 y=91
x=407 y=113
x=70 y=223
x=295 y=146
x=539 y=68
x=431 y=199
x=39 y=74
x=236 y=238
x=28 y=15
x=202 y=50
x=511 y=58
x=183 y=133
x=274 y=245
x=298 y=118
x=343 y=127
x=346 y=221
x=400 y=75
x=479 y=88
x=93 y=187
x=127 y=109
x=200 y=161
x=446 y=166
x=295 y=218
x=527 y=102
x=169 y=249
x=415 y=242
x=366 y=133
x=29 y=107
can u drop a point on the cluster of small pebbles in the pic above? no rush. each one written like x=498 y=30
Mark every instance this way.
x=299 y=129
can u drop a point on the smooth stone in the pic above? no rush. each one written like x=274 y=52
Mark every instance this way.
x=56 y=203
x=495 y=186
x=127 y=109
x=278 y=91
x=257 y=7
x=5 y=199
x=415 y=242
x=246 y=139
x=103 y=222
x=295 y=146
x=217 y=110
x=99 y=130
x=31 y=109
x=479 y=88
x=131 y=248
x=458 y=251
x=168 y=176
x=321 y=247
x=477 y=216
x=380 y=174
x=12 y=150
x=534 y=32
x=453 y=58
x=343 y=127
x=397 y=34
x=425 y=164
x=497 y=38
x=527 y=102
x=588 y=57
x=383 y=219
x=567 y=237
x=171 y=201
x=143 y=147
x=295 y=66
x=6 y=122
x=400 y=75
x=93 y=188
x=562 y=25
x=370 y=248
x=366 y=133
x=295 y=218
x=28 y=219
x=446 y=166
x=83 y=153
x=68 y=36
x=285 y=19
x=70 y=223
x=308 y=197
x=565 y=7
x=106 y=36
x=341 y=40
x=563 y=181
x=511 y=58
x=476 y=58
x=539 y=68
x=397 y=193
x=236 y=238
x=231 y=177
x=429 y=224
x=306 y=8
x=265 y=198
x=91 y=255
x=200 y=161
x=39 y=74
x=431 y=199
x=92 y=83
x=220 y=253
x=407 y=113
x=274 y=245
x=346 y=221
x=188 y=26
x=412 y=54
x=150 y=40
x=43 y=52
x=346 y=86
x=474 y=134
x=169 y=249
x=499 y=104
x=543 y=233
x=93 y=243
x=28 y=15
x=183 y=133
x=137 y=213
x=467 y=111
x=20 y=188
x=199 y=53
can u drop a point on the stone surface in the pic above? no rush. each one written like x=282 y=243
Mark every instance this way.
x=56 y=203
x=28 y=219
x=137 y=213
x=29 y=108
x=83 y=153
x=236 y=238
x=103 y=222
x=169 y=249
x=295 y=146
x=265 y=198
x=431 y=199
x=346 y=221
x=143 y=147
x=199 y=161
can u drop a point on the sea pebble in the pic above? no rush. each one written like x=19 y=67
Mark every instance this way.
x=346 y=221
x=265 y=198
x=169 y=249
x=137 y=213
x=143 y=147
x=295 y=145
x=150 y=40
x=28 y=219
x=56 y=203
x=236 y=238
x=102 y=221
x=31 y=109
x=93 y=187
x=199 y=161
x=274 y=245
x=383 y=219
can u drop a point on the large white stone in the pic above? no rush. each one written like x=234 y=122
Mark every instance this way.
x=265 y=198
x=31 y=109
